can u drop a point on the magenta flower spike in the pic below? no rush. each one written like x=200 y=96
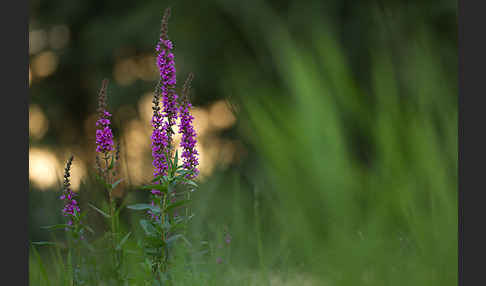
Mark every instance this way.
x=71 y=206
x=186 y=128
x=167 y=72
x=104 y=135
x=163 y=120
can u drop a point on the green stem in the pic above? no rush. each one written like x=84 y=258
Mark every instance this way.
x=112 y=211
x=162 y=219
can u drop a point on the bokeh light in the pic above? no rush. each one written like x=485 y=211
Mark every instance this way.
x=44 y=168
x=145 y=107
x=147 y=69
x=125 y=71
x=220 y=116
x=137 y=145
x=37 y=41
x=201 y=121
x=38 y=123
x=45 y=64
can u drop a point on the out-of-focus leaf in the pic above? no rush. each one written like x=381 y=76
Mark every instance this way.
x=116 y=183
x=177 y=204
x=89 y=228
x=55 y=226
x=139 y=207
x=148 y=227
x=192 y=183
x=41 y=265
x=160 y=187
x=119 y=246
x=176 y=161
x=43 y=243
x=100 y=211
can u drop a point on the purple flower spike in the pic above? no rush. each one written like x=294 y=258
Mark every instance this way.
x=162 y=129
x=104 y=135
x=71 y=208
x=186 y=128
x=167 y=84
x=159 y=146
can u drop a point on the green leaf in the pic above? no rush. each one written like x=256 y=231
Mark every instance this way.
x=166 y=226
x=175 y=226
x=119 y=246
x=192 y=183
x=154 y=241
x=184 y=172
x=173 y=238
x=55 y=226
x=202 y=252
x=186 y=241
x=169 y=161
x=41 y=265
x=139 y=207
x=182 y=176
x=100 y=211
x=118 y=210
x=152 y=251
x=148 y=227
x=89 y=229
x=43 y=243
x=177 y=204
x=176 y=160
x=160 y=177
x=161 y=187
x=116 y=183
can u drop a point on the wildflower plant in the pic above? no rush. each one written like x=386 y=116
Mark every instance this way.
x=71 y=208
x=75 y=228
x=168 y=211
x=107 y=160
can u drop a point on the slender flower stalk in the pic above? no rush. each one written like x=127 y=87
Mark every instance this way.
x=186 y=128
x=104 y=135
x=162 y=129
x=72 y=211
x=105 y=148
x=71 y=208
x=159 y=141
x=167 y=72
x=104 y=138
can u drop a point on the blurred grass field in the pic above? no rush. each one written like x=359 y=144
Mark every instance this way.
x=349 y=179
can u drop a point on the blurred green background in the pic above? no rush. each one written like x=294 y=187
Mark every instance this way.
x=327 y=129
